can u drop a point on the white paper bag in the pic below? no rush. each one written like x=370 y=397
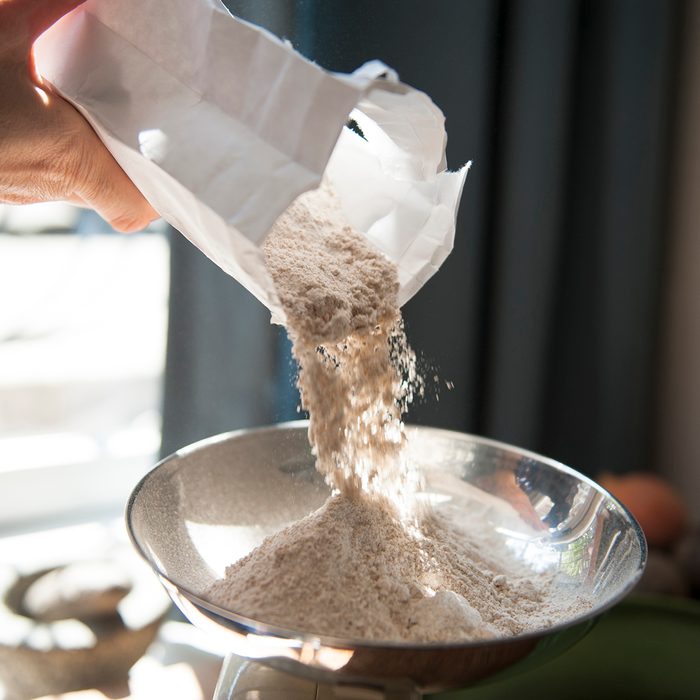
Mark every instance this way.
x=221 y=125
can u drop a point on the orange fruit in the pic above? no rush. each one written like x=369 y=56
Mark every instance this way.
x=655 y=504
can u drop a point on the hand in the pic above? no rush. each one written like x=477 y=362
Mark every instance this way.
x=48 y=151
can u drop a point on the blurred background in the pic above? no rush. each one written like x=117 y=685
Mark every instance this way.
x=567 y=318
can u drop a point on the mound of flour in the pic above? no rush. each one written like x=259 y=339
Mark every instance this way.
x=353 y=570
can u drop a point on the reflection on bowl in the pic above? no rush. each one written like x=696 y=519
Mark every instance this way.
x=210 y=503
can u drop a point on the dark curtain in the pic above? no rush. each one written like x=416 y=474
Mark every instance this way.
x=545 y=315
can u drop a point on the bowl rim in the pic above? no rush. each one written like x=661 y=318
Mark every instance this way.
x=302 y=637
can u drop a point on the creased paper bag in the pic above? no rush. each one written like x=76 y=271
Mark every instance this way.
x=221 y=125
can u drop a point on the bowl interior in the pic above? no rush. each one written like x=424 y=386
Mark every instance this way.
x=208 y=505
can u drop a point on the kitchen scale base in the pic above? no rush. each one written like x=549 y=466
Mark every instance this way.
x=242 y=679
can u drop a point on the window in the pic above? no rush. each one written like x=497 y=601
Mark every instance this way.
x=82 y=346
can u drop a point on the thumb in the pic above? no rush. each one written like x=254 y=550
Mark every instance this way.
x=106 y=188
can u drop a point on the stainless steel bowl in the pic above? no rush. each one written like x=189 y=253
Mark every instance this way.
x=211 y=503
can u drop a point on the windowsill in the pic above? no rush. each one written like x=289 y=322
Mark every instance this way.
x=50 y=496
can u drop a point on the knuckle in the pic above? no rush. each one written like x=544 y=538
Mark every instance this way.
x=75 y=160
